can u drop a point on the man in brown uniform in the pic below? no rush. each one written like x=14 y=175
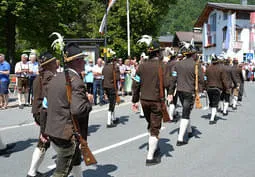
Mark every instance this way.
x=147 y=83
x=110 y=72
x=183 y=77
x=216 y=81
x=46 y=73
x=225 y=95
x=172 y=104
x=59 y=124
x=238 y=80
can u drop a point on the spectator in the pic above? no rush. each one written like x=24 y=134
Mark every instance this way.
x=22 y=72
x=59 y=68
x=33 y=65
x=88 y=79
x=122 y=76
x=128 y=78
x=4 y=81
x=98 y=81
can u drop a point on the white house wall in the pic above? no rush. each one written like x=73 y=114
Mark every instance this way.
x=220 y=24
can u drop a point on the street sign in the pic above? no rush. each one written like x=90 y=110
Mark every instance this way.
x=249 y=56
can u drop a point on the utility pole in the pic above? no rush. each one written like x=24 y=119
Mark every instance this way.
x=128 y=28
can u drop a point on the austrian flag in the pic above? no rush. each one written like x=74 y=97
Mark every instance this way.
x=101 y=29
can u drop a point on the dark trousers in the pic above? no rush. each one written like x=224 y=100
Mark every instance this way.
x=98 y=85
x=214 y=96
x=187 y=101
x=225 y=97
x=30 y=90
x=153 y=114
x=111 y=94
x=241 y=90
x=89 y=88
x=68 y=154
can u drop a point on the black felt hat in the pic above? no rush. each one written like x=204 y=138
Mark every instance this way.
x=46 y=58
x=72 y=52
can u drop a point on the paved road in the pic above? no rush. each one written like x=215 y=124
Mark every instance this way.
x=222 y=150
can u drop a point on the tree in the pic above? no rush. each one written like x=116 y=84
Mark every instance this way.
x=145 y=18
x=183 y=15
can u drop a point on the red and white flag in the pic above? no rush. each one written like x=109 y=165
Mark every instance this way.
x=101 y=29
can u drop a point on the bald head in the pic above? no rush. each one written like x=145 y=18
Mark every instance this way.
x=99 y=61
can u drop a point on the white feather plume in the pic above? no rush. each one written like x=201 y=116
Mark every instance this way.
x=59 y=41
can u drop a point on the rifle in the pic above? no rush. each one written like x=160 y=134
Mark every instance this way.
x=166 y=117
x=88 y=157
x=198 y=104
x=115 y=84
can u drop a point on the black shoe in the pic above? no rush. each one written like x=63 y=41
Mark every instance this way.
x=225 y=114
x=26 y=105
x=21 y=106
x=111 y=126
x=219 y=110
x=8 y=147
x=153 y=161
x=116 y=121
x=190 y=135
x=181 y=143
x=157 y=153
x=142 y=117
x=234 y=108
x=38 y=174
x=211 y=122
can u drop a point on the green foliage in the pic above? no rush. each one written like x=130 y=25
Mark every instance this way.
x=36 y=20
x=183 y=15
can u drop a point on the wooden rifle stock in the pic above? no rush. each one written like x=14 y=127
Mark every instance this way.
x=115 y=84
x=166 y=117
x=198 y=104
x=88 y=157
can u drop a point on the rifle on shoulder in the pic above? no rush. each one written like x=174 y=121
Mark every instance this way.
x=88 y=157
x=115 y=83
x=166 y=117
x=198 y=104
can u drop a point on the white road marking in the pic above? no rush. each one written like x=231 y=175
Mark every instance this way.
x=16 y=126
x=33 y=123
x=113 y=145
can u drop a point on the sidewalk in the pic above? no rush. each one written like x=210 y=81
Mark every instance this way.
x=13 y=101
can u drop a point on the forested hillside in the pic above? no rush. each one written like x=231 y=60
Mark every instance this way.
x=26 y=24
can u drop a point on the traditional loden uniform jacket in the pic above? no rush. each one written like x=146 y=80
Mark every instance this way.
x=183 y=75
x=238 y=80
x=216 y=82
x=108 y=85
x=59 y=124
x=149 y=89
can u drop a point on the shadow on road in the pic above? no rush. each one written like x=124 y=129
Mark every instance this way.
x=165 y=147
x=20 y=146
x=195 y=133
x=123 y=120
x=101 y=170
x=93 y=128
x=217 y=117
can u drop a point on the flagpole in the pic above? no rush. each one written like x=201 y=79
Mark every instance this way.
x=105 y=32
x=128 y=28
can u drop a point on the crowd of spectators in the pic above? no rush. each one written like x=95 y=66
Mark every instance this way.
x=27 y=69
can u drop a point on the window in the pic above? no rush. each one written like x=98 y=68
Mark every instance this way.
x=238 y=34
x=225 y=16
x=224 y=30
x=213 y=22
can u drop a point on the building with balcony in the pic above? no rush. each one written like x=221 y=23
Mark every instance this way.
x=226 y=29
